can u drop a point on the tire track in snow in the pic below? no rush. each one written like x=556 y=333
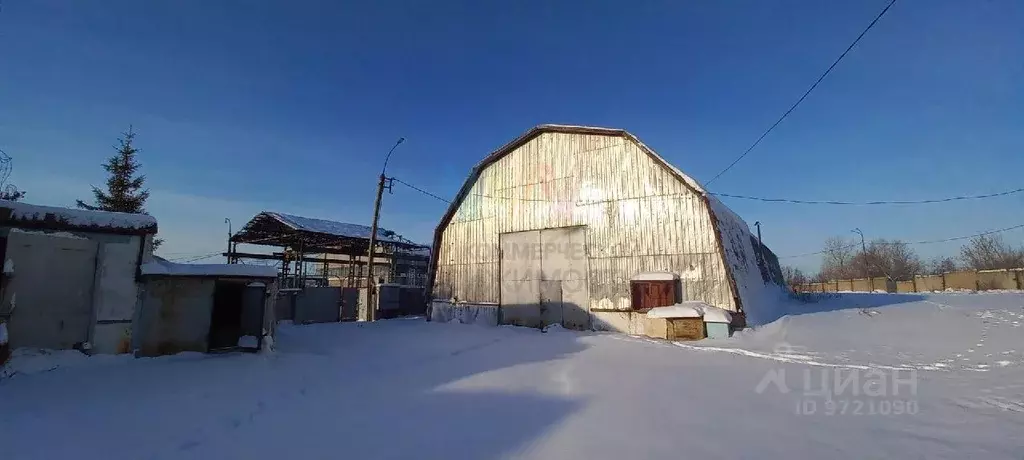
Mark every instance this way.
x=794 y=358
x=943 y=365
x=791 y=358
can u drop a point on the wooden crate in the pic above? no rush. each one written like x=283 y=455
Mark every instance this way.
x=685 y=329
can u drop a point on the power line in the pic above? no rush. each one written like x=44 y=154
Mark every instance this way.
x=196 y=258
x=180 y=256
x=945 y=240
x=534 y=200
x=192 y=257
x=866 y=203
x=815 y=85
x=420 y=190
x=754 y=198
x=510 y=198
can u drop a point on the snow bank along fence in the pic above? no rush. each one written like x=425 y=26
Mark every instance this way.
x=973 y=280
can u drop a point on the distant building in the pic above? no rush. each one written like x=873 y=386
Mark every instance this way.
x=323 y=267
x=320 y=252
x=551 y=228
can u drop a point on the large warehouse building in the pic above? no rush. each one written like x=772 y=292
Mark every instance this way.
x=554 y=226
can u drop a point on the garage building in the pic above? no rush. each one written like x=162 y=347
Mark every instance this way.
x=70 y=275
x=552 y=227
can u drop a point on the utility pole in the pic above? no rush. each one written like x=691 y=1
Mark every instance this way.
x=371 y=310
x=228 y=221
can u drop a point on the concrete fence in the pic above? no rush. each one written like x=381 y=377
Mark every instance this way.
x=974 y=280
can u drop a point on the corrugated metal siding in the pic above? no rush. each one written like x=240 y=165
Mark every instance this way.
x=639 y=218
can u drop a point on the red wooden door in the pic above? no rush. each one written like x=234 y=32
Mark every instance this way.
x=650 y=294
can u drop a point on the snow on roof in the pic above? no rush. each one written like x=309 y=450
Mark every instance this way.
x=758 y=297
x=420 y=251
x=19 y=214
x=692 y=309
x=724 y=212
x=714 y=314
x=330 y=227
x=51 y=234
x=655 y=276
x=679 y=310
x=163 y=267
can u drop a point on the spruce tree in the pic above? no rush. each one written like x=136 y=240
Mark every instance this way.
x=11 y=193
x=124 y=191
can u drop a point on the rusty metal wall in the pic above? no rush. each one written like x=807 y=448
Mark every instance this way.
x=638 y=215
x=175 y=316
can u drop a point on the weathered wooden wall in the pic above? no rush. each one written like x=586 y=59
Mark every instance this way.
x=639 y=218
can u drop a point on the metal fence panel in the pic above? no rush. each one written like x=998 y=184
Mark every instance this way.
x=318 y=305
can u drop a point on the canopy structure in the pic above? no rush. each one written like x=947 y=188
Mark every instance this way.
x=315 y=235
x=300 y=237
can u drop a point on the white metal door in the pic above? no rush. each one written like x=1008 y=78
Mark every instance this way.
x=52 y=288
x=520 y=278
x=564 y=261
x=544 y=278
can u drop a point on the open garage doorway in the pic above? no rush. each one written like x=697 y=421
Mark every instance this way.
x=237 y=316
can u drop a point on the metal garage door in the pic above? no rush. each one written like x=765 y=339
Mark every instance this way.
x=520 y=278
x=53 y=288
x=544 y=278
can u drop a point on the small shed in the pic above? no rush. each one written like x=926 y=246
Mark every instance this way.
x=69 y=276
x=205 y=308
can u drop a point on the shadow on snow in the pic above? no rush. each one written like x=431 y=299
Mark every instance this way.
x=396 y=388
x=801 y=304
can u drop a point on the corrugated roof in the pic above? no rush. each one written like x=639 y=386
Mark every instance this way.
x=163 y=267
x=330 y=227
x=555 y=128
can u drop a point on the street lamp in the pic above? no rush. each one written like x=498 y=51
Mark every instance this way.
x=371 y=312
x=863 y=248
x=863 y=252
x=388 y=156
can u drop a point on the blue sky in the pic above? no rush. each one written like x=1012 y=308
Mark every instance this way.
x=242 y=106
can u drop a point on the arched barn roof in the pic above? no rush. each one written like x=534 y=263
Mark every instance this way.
x=735 y=242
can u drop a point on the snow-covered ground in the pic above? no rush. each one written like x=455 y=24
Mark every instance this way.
x=410 y=389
